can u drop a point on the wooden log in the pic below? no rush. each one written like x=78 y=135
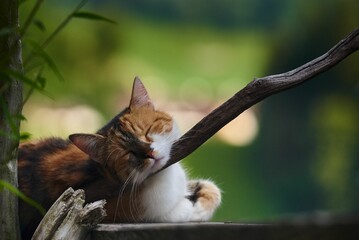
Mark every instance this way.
x=288 y=230
x=68 y=219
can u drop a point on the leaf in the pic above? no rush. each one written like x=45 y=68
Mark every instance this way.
x=40 y=25
x=41 y=80
x=20 y=117
x=20 y=76
x=25 y=136
x=17 y=192
x=22 y=1
x=92 y=16
x=41 y=53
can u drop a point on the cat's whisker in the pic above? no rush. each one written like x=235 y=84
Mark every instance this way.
x=130 y=198
x=122 y=189
x=138 y=205
x=138 y=213
x=138 y=196
x=133 y=206
x=112 y=152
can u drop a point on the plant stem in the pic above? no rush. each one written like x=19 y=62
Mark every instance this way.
x=57 y=30
x=30 y=17
x=63 y=23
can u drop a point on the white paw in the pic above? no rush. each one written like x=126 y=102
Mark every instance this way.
x=206 y=198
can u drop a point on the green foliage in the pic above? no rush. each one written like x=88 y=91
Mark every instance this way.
x=40 y=52
x=38 y=49
x=37 y=58
x=22 y=196
x=92 y=16
x=32 y=76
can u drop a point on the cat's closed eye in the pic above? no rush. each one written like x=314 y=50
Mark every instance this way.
x=140 y=156
x=133 y=160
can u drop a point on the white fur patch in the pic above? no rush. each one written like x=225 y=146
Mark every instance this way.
x=163 y=192
x=161 y=146
x=164 y=195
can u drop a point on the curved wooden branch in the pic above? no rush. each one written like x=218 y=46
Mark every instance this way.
x=256 y=91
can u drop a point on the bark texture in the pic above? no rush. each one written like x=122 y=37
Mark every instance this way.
x=68 y=219
x=312 y=228
x=10 y=109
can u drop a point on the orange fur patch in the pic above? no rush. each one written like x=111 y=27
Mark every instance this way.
x=209 y=195
x=54 y=168
x=145 y=121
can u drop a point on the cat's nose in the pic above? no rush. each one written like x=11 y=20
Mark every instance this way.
x=154 y=155
x=150 y=153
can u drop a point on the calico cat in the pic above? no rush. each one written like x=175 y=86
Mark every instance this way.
x=115 y=164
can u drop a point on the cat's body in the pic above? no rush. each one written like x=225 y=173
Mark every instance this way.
x=115 y=164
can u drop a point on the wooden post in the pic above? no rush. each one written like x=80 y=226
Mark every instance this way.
x=68 y=219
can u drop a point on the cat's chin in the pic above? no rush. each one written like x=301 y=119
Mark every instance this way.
x=153 y=166
x=157 y=164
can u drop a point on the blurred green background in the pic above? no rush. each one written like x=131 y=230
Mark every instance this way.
x=295 y=152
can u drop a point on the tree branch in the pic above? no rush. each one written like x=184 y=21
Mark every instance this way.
x=257 y=90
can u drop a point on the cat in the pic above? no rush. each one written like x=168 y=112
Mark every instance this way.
x=117 y=164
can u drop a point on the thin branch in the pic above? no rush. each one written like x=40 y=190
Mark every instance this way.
x=63 y=23
x=257 y=90
x=30 y=17
x=57 y=30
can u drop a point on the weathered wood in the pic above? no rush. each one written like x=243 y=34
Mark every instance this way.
x=68 y=219
x=255 y=92
x=197 y=231
x=10 y=109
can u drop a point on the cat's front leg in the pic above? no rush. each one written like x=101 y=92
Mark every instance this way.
x=205 y=197
x=163 y=196
x=169 y=197
x=202 y=199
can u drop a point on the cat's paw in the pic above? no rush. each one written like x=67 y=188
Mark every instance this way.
x=205 y=196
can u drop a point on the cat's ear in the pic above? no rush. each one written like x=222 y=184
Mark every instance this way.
x=91 y=144
x=139 y=97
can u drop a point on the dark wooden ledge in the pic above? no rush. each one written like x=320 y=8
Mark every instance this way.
x=300 y=229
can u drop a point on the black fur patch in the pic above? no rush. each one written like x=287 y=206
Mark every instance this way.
x=35 y=152
x=114 y=123
x=194 y=196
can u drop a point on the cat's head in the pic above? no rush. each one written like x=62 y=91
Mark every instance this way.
x=134 y=144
